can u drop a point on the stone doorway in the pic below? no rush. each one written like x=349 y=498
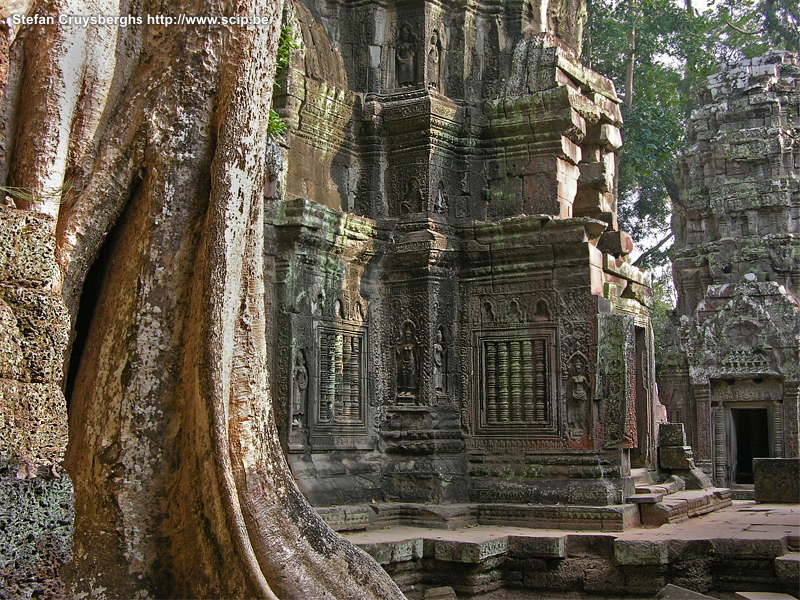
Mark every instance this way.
x=748 y=415
x=748 y=438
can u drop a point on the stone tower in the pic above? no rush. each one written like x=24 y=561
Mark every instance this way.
x=455 y=316
x=737 y=270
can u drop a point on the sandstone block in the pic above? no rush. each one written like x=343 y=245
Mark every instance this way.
x=617 y=243
x=671 y=434
x=787 y=569
x=440 y=593
x=641 y=552
x=675 y=457
x=777 y=479
x=537 y=547
x=674 y=592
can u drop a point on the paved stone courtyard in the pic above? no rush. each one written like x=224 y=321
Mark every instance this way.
x=744 y=547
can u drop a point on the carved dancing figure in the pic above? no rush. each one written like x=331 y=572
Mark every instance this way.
x=434 y=61
x=440 y=203
x=580 y=395
x=299 y=388
x=407 y=362
x=438 y=363
x=412 y=201
x=405 y=58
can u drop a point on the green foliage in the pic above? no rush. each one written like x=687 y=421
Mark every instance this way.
x=755 y=26
x=287 y=43
x=676 y=48
x=276 y=124
x=661 y=316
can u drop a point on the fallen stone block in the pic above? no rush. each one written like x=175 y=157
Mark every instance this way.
x=675 y=457
x=762 y=596
x=777 y=479
x=671 y=434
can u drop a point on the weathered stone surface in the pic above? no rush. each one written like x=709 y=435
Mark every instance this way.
x=671 y=434
x=732 y=376
x=36 y=498
x=640 y=552
x=36 y=521
x=787 y=569
x=27 y=248
x=460 y=262
x=539 y=547
x=675 y=457
x=777 y=479
x=440 y=593
x=674 y=592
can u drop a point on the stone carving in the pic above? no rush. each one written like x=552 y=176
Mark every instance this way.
x=542 y=311
x=440 y=203
x=407 y=359
x=412 y=200
x=434 y=63
x=580 y=391
x=488 y=311
x=299 y=389
x=340 y=397
x=734 y=272
x=406 y=57
x=481 y=153
x=439 y=364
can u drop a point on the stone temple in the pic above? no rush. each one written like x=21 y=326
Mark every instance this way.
x=456 y=337
x=735 y=377
x=455 y=320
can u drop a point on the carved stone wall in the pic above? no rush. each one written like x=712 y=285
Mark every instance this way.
x=477 y=332
x=737 y=269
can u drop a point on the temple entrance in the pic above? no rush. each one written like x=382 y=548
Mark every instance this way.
x=748 y=438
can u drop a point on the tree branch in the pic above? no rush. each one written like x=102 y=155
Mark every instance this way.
x=652 y=250
x=744 y=31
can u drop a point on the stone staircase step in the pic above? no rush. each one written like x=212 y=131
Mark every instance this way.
x=641 y=476
x=787 y=569
x=670 y=486
x=743 y=494
x=684 y=505
x=645 y=497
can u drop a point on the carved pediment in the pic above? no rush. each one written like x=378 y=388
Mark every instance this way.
x=743 y=329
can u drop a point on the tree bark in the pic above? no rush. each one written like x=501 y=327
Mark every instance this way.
x=160 y=133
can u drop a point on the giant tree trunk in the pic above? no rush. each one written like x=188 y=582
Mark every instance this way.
x=157 y=134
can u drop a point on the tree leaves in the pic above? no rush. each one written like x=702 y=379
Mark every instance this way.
x=676 y=48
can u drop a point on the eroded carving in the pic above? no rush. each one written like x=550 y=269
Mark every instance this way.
x=407 y=359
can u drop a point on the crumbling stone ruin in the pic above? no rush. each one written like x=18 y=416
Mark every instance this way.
x=737 y=271
x=450 y=325
x=455 y=318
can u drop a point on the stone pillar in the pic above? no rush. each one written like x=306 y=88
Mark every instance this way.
x=421 y=433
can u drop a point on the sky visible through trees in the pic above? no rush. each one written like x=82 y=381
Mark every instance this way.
x=658 y=53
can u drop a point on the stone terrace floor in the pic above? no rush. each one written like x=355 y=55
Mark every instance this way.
x=744 y=530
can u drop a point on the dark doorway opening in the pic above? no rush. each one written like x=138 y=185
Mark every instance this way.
x=641 y=456
x=752 y=440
